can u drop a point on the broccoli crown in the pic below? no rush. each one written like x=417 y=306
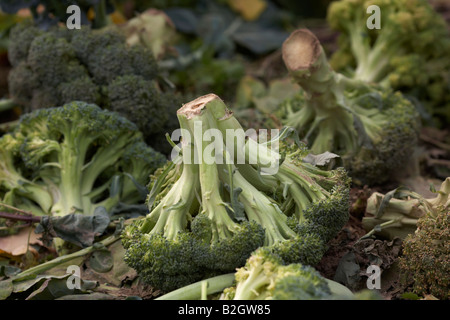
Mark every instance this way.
x=71 y=154
x=228 y=210
x=58 y=66
x=409 y=52
x=424 y=263
x=264 y=276
x=134 y=96
x=373 y=128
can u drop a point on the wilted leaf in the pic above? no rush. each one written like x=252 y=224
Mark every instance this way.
x=6 y=288
x=117 y=274
x=348 y=271
x=101 y=260
x=18 y=244
x=7 y=270
x=320 y=159
x=75 y=228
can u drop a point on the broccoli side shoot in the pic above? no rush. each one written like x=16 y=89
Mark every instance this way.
x=372 y=128
x=408 y=53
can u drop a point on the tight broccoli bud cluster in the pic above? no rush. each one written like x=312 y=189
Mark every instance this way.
x=64 y=160
x=408 y=53
x=372 y=128
x=58 y=66
x=424 y=264
x=207 y=217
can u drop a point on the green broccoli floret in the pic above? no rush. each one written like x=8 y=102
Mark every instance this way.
x=15 y=188
x=424 y=263
x=75 y=151
x=58 y=66
x=139 y=100
x=373 y=129
x=220 y=211
x=264 y=277
x=408 y=53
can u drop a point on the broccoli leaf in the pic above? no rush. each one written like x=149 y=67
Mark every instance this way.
x=75 y=228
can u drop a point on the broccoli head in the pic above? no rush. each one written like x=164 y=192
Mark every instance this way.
x=64 y=159
x=214 y=212
x=408 y=53
x=58 y=66
x=373 y=129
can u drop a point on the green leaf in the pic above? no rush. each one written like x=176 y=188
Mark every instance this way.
x=6 y=288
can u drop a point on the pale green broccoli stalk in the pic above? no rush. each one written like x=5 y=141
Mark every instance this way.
x=206 y=215
x=424 y=263
x=373 y=129
x=409 y=52
x=64 y=160
x=189 y=231
x=396 y=213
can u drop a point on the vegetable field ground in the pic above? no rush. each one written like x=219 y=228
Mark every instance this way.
x=225 y=150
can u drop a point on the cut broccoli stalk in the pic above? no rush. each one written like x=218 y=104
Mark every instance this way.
x=234 y=208
x=373 y=129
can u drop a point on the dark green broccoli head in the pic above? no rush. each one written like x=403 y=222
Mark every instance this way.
x=165 y=263
x=53 y=60
x=107 y=56
x=138 y=100
x=22 y=35
x=59 y=66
